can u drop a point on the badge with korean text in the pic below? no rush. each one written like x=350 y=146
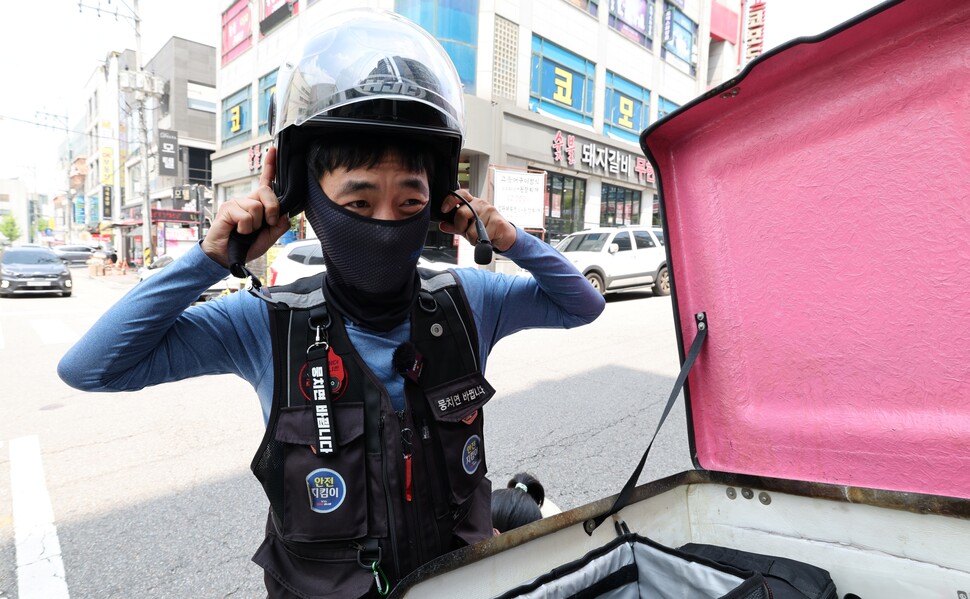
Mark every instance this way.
x=459 y=399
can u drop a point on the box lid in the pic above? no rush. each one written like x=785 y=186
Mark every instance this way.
x=817 y=208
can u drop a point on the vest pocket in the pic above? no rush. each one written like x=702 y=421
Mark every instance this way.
x=324 y=495
x=463 y=452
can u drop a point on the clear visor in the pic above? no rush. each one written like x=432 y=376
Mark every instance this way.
x=357 y=57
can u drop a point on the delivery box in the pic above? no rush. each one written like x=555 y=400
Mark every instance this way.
x=817 y=212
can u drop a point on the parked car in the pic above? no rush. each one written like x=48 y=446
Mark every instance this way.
x=33 y=270
x=619 y=258
x=229 y=284
x=304 y=258
x=74 y=254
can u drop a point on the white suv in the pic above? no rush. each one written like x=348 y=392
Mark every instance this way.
x=620 y=258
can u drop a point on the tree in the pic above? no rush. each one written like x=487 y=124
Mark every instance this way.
x=9 y=228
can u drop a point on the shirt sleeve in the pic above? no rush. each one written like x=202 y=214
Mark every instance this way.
x=155 y=335
x=555 y=296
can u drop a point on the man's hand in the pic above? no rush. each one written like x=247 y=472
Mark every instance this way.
x=246 y=215
x=500 y=231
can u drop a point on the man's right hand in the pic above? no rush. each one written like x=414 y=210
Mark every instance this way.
x=246 y=215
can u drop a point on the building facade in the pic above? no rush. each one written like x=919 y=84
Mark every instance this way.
x=556 y=94
x=102 y=154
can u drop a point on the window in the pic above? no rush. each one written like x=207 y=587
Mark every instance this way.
x=633 y=19
x=201 y=97
x=622 y=240
x=565 y=205
x=680 y=37
x=590 y=6
x=200 y=166
x=660 y=236
x=267 y=85
x=643 y=240
x=665 y=107
x=590 y=242
x=236 y=117
x=561 y=83
x=627 y=108
x=455 y=24
x=619 y=206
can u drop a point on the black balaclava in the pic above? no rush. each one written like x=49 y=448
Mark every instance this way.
x=371 y=264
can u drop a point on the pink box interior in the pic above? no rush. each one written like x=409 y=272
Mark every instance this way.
x=821 y=218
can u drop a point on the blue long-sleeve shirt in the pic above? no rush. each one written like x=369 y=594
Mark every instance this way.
x=155 y=335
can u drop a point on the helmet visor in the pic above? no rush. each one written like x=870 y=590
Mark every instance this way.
x=374 y=64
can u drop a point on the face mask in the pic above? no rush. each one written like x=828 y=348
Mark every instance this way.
x=371 y=264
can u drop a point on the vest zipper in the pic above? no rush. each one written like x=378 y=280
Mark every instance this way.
x=390 y=504
x=416 y=531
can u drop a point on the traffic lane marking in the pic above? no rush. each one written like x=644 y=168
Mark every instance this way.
x=40 y=569
x=53 y=331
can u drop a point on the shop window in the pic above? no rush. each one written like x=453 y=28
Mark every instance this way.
x=236 y=117
x=267 y=85
x=627 y=109
x=561 y=83
x=619 y=206
x=455 y=25
x=633 y=19
x=590 y=6
x=665 y=107
x=680 y=39
x=565 y=205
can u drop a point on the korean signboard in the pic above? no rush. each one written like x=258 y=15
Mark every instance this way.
x=274 y=12
x=518 y=196
x=106 y=201
x=600 y=159
x=168 y=151
x=754 y=35
x=237 y=31
x=107 y=165
x=79 y=206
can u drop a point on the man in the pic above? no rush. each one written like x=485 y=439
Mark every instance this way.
x=370 y=378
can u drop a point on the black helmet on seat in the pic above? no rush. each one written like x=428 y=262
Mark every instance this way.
x=367 y=72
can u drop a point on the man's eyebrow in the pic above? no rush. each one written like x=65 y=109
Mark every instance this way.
x=417 y=184
x=355 y=185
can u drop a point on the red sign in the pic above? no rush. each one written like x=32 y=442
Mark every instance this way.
x=271 y=6
x=237 y=31
x=175 y=216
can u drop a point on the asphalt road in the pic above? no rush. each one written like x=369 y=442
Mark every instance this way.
x=150 y=492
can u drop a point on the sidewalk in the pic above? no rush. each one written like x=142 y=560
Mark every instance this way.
x=128 y=279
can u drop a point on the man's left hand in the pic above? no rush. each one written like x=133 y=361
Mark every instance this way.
x=500 y=231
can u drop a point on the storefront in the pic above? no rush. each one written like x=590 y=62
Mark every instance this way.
x=174 y=232
x=591 y=180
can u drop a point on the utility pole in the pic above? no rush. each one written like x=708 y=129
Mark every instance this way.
x=144 y=85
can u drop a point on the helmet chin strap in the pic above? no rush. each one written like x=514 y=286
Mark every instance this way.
x=483 y=249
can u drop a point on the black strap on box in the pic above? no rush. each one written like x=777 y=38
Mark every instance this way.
x=623 y=499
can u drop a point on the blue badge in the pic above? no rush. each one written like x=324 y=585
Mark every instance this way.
x=471 y=455
x=327 y=490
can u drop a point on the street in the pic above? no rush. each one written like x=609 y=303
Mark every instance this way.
x=150 y=492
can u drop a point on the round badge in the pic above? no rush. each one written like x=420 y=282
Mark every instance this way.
x=313 y=378
x=471 y=455
x=327 y=490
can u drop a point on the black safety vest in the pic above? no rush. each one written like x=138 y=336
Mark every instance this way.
x=361 y=495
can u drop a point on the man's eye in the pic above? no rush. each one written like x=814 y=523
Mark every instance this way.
x=358 y=204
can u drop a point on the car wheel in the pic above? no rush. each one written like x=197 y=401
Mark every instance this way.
x=662 y=285
x=597 y=282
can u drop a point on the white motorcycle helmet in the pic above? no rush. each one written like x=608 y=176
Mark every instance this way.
x=367 y=72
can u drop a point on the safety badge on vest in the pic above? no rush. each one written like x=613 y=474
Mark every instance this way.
x=471 y=454
x=327 y=490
